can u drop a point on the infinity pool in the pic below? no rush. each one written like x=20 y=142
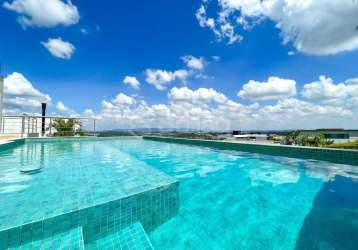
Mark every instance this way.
x=234 y=200
x=227 y=199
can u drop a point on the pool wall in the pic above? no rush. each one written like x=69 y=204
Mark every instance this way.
x=150 y=208
x=79 y=138
x=340 y=156
x=11 y=144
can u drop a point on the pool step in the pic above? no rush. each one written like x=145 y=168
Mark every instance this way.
x=72 y=240
x=132 y=237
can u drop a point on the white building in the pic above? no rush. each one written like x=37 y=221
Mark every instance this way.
x=337 y=135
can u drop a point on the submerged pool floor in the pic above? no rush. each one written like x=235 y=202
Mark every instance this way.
x=228 y=199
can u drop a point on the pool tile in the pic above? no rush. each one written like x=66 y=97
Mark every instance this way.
x=72 y=191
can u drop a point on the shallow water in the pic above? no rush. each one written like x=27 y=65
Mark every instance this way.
x=40 y=180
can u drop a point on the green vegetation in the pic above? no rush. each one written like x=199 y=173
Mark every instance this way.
x=291 y=138
x=275 y=138
x=346 y=145
x=187 y=135
x=197 y=135
x=66 y=127
x=298 y=138
x=118 y=133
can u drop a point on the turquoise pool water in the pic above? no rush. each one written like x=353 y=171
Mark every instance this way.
x=228 y=199
x=234 y=200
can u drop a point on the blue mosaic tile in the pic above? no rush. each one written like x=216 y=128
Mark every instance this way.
x=88 y=184
x=71 y=240
x=131 y=237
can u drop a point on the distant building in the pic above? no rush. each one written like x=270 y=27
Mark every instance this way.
x=238 y=135
x=338 y=135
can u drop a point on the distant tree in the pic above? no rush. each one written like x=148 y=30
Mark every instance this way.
x=321 y=141
x=298 y=138
x=65 y=127
x=291 y=138
x=303 y=140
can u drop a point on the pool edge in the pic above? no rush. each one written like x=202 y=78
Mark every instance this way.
x=339 y=156
x=10 y=144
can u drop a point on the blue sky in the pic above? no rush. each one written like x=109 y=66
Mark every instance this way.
x=108 y=41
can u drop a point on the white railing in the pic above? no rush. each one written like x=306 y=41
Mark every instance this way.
x=39 y=126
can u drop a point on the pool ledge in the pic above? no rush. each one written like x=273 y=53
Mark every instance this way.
x=10 y=143
x=79 y=138
x=144 y=194
x=151 y=207
x=340 y=156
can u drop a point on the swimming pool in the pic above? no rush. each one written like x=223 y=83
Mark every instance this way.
x=227 y=199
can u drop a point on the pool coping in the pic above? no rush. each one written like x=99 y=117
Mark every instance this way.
x=340 y=156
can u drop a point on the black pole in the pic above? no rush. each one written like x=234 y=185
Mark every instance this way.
x=43 y=118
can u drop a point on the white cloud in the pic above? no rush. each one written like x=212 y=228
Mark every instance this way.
x=107 y=105
x=207 y=108
x=201 y=95
x=122 y=99
x=202 y=108
x=21 y=96
x=324 y=89
x=294 y=113
x=274 y=88
x=17 y=85
x=88 y=123
x=161 y=78
x=62 y=109
x=221 y=28
x=88 y=113
x=202 y=18
x=193 y=114
x=327 y=92
x=132 y=81
x=295 y=107
x=195 y=63
x=44 y=13
x=59 y=48
x=312 y=26
x=182 y=75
